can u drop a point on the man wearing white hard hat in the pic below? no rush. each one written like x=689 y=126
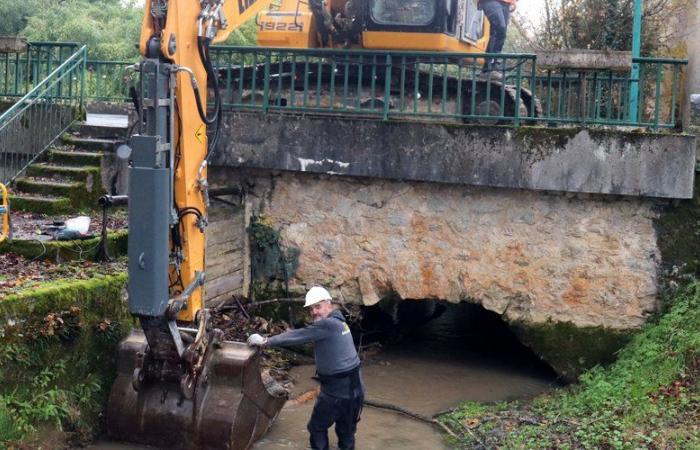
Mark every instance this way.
x=337 y=365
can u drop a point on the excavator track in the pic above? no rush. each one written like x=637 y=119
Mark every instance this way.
x=329 y=88
x=230 y=408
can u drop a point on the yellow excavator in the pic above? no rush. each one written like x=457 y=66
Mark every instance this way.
x=179 y=384
x=427 y=25
x=4 y=213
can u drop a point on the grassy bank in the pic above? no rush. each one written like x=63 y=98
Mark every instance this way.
x=57 y=359
x=649 y=398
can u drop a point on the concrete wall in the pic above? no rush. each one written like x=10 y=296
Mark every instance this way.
x=567 y=159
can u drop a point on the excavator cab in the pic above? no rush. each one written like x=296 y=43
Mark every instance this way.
x=426 y=25
x=438 y=25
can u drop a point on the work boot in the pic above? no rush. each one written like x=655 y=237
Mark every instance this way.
x=492 y=71
x=490 y=74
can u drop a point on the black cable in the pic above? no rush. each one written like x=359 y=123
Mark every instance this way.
x=215 y=119
x=203 y=48
x=187 y=211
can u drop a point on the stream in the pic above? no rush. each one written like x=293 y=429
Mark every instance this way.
x=433 y=368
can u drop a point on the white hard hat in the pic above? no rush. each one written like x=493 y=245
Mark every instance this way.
x=315 y=295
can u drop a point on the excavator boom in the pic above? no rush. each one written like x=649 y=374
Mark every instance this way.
x=179 y=384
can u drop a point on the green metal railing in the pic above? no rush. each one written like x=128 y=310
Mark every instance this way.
x=108 y=81
x=390 y=85
x=603 y=97
x=426 y=86
x=429 y=85
x=20 y=72
x=37 y=119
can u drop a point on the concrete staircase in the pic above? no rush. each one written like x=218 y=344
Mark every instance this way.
x=69 y=176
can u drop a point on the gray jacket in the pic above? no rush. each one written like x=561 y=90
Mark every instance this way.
x=334 y=351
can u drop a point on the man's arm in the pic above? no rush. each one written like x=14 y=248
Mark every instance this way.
x=312 y=333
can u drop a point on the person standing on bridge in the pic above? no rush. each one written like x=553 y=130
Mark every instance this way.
x=337 y=366
x=498 y=13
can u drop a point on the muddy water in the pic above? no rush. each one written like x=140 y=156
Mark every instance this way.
x=432 y=369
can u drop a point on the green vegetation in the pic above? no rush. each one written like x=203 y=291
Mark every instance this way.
x=650 y=398
x=272 y=263
x=110 y=28
x=57 y=358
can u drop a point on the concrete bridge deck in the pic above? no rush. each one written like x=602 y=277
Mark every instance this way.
x=596 y=161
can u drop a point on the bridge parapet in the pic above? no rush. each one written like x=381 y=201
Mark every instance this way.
x=394 y=85
x=569 y=159
x=449 y=86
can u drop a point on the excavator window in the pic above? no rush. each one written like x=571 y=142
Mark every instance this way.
x=473 y=23
x=403 y=12
x=451 y=16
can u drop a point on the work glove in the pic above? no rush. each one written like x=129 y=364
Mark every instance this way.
x=255 y=340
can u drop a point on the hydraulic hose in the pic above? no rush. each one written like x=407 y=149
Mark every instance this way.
x=215 y=117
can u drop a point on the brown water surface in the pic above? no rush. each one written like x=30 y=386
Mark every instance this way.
x=432 y=370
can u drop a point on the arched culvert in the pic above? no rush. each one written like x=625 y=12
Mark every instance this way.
x=427 y=356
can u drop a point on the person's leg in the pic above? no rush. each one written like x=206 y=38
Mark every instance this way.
x=346 y=423
x=322 y=418
x=505 y=15
x=494 y=12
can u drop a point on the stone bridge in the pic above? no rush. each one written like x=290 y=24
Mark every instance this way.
x=564 y=232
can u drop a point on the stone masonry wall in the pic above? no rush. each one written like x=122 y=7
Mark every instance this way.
x=534 y=257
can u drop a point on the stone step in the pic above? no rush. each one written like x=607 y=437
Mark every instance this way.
x=48 y=188
x=74 y=158
x=40 y=204
x=103 y=126
x=90 y=144
x=87 y=174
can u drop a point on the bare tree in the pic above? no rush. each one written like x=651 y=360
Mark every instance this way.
x=603 y=24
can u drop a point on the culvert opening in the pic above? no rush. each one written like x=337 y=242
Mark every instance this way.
x=432 y=355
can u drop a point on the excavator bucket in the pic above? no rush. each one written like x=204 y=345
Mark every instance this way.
x=231 y=407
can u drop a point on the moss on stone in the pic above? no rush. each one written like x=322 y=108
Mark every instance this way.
x=98 y=291
x=678 y=231
x=74 y=326
x=569 y=349
x=66 y=250
x=55 y=206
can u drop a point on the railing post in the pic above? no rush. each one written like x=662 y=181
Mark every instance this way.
x=83 y=67
x=518 y=86
x=636 y=48
x=533 y=87
x=387 y=87
x=266 y=82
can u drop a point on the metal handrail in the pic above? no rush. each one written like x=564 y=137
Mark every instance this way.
x=36 y=120
x=405 y=85
x=20 y=71
x=444 y=86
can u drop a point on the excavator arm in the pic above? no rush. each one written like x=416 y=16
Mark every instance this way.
x=180 y=33
x=178 y=382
